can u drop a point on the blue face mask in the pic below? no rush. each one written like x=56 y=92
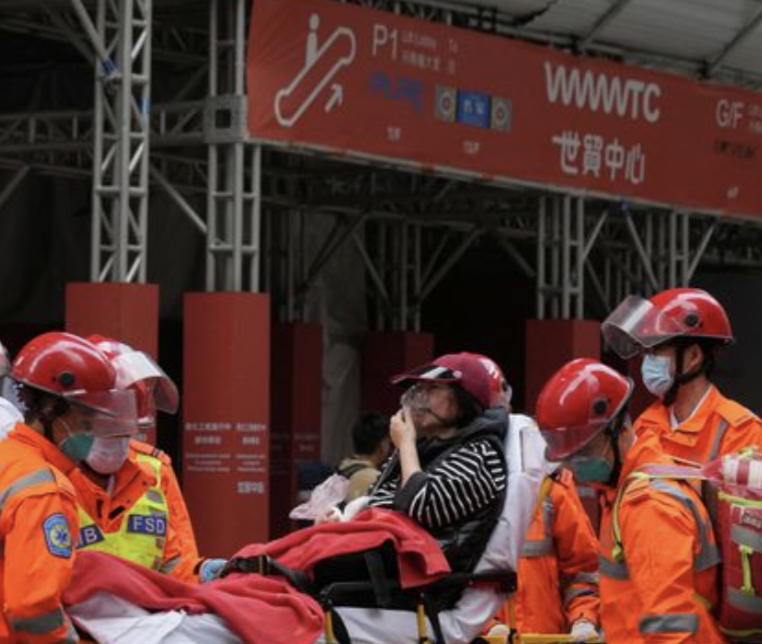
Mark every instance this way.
x=656 y=375
x=77 y=446
x=591 y=469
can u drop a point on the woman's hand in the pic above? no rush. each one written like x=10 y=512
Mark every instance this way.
x=403 y=435
x=401 y=429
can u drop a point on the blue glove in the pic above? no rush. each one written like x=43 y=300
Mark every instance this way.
x=211 y=569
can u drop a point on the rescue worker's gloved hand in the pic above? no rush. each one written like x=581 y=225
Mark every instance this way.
x=211 y=569
x=583 y=631
x=333 y=515
x=499 y=630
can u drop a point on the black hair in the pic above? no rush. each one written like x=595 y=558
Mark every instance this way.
x=43 y=407
x=369 y=431
x=469 y=407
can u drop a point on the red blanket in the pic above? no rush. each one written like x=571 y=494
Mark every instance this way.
x=265 y=610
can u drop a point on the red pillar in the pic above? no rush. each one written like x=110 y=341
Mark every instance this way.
x=226 y=411
x=297 y=358
x=386 y=354
x=552 y=343
x=126 y=312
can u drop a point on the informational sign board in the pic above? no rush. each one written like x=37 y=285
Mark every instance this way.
x=357 y=81
x=226 y=417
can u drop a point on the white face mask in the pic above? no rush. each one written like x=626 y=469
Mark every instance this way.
x=108 y=454
x=656 y=374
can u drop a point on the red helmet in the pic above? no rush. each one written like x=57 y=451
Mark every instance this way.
x=63 y=364
x=137 y=371
x=637 y=325
x=500 y=391
x=68 y=366
x=578 y=403
x=463 y=369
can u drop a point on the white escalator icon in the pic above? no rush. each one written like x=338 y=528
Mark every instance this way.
x=321 y=66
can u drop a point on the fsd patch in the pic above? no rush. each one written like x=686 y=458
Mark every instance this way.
x=153 y=525
x=57 y=535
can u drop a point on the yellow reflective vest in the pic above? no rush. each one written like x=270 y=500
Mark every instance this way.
x=142 y=535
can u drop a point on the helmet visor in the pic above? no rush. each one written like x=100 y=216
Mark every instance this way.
x=109 y=413
x=5 y=361
x=636 y=325
x=135 y=367
x=564 y=442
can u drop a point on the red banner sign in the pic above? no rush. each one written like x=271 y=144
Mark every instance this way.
x=357 y=81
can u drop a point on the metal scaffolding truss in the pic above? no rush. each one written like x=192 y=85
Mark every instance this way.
x=409 y=229
x=121 y=38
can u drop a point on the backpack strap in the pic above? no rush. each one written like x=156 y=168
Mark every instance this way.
x=718 y=436
x=350 y=470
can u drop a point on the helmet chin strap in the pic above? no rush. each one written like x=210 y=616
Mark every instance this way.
x=49 y=416
x=680 y=377
x=614 y=430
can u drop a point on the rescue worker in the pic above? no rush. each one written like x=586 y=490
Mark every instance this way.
x=67 y=387
x=130 y=503
x=658 y=557
x=679 y=332
x=558 y=569
x=9 y=413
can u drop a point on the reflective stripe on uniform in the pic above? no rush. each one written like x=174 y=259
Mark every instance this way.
x=613 y=569
x=573 y=593
x=544 y=546
x=745 y=601
x=746 y=537
x=41 y=624
x=537 y=548
x=578 y=585
x=669 y=623
x=581 y=577
x=35 y=478
x=170 y=565
x=709 y=553
x=721 y=429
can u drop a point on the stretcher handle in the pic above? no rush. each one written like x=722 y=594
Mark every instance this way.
x=552 y=638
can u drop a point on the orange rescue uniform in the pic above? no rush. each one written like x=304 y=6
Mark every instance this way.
x=38 y=521
x=719 y=426
x=171 y=550
x=659 y=589
x=558 y=570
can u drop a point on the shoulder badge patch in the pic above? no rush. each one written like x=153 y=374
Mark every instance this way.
x=57 y=536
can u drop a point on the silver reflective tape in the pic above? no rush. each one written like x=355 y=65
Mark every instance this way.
x=613 y=569
x=537 y=548
x=170 y=565
x=744 y=601
x=746 y=537
x=670 y=623
x=35 y=478
x=41 y=624
x=573 y=593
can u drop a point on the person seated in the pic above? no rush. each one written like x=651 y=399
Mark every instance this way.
x=370 y=438
x=448 y=472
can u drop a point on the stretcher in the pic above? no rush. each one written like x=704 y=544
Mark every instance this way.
x=110 y=620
